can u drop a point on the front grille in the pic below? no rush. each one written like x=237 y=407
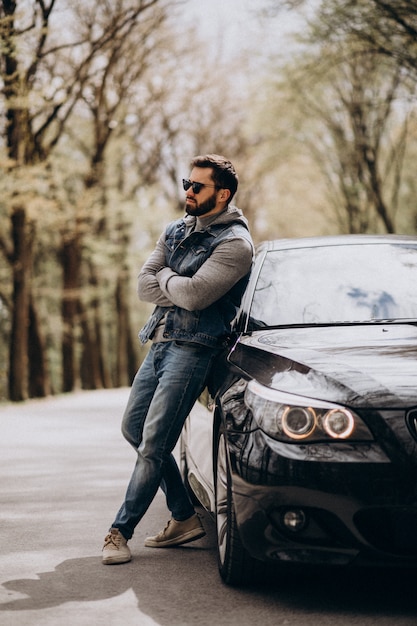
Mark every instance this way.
x=411 y=420
x=391 y=530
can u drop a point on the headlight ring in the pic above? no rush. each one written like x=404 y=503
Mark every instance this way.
x=338 y=423
x=298 y=422
x=282 y=416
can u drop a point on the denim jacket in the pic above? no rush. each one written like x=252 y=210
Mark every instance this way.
x=185 y=255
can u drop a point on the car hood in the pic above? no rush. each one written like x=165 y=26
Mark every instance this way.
x=372 y=366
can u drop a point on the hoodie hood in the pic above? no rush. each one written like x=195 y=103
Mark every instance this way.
x=231 y=214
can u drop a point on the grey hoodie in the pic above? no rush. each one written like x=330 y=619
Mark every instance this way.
x=228 y=263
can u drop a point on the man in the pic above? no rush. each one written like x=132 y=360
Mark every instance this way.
x=195 y=276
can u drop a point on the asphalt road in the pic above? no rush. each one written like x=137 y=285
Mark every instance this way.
x=64 y=467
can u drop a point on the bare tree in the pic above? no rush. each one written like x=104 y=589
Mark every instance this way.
x=109 y=110
x=44 y=79
x=355 y=112
x=387 y=28
x=132 y=34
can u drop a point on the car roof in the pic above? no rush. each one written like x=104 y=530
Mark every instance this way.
x=334 y=240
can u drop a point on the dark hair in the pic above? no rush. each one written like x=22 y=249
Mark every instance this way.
x=224 y=174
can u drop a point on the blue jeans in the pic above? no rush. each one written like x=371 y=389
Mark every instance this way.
x=164 y=390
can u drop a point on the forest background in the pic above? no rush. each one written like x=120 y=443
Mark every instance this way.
x=104 y=103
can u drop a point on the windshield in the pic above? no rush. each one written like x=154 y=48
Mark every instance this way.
x=331 y=284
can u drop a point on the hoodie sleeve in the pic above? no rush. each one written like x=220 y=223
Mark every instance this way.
x=229 y=262
x=148 y=285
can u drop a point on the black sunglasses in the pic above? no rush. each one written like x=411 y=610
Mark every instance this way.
x=196 y=187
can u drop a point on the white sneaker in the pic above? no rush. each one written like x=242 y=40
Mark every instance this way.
x=115 y=549
x=177 y=533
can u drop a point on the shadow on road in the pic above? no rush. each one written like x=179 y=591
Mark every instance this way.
x=178 y=586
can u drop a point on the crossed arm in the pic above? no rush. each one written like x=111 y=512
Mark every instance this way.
x=229 y=262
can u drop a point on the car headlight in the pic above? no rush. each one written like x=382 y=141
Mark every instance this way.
x=294 y=418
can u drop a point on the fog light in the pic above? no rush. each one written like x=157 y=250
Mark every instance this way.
x=294 y=520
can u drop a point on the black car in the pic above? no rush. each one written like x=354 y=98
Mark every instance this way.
x=308 y=451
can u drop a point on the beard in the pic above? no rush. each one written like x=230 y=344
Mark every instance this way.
x=203 y=208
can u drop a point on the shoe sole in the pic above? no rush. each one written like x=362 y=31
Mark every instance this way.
x=114 y=560
x=192 y=535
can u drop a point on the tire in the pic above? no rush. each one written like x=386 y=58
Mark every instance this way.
x=235 y=564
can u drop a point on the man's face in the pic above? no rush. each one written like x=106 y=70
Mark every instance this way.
x=205 y=202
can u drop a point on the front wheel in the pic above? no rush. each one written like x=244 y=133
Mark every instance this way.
x=236 y=566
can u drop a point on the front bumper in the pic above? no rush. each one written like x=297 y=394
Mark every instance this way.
x=359 y=506
x=337 y=531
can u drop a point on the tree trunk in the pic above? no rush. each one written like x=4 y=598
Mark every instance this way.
x=90 y=354
x=39 y=381
x=95 y=372
x=127 y=359
x=22 y=236
x=71 y=264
